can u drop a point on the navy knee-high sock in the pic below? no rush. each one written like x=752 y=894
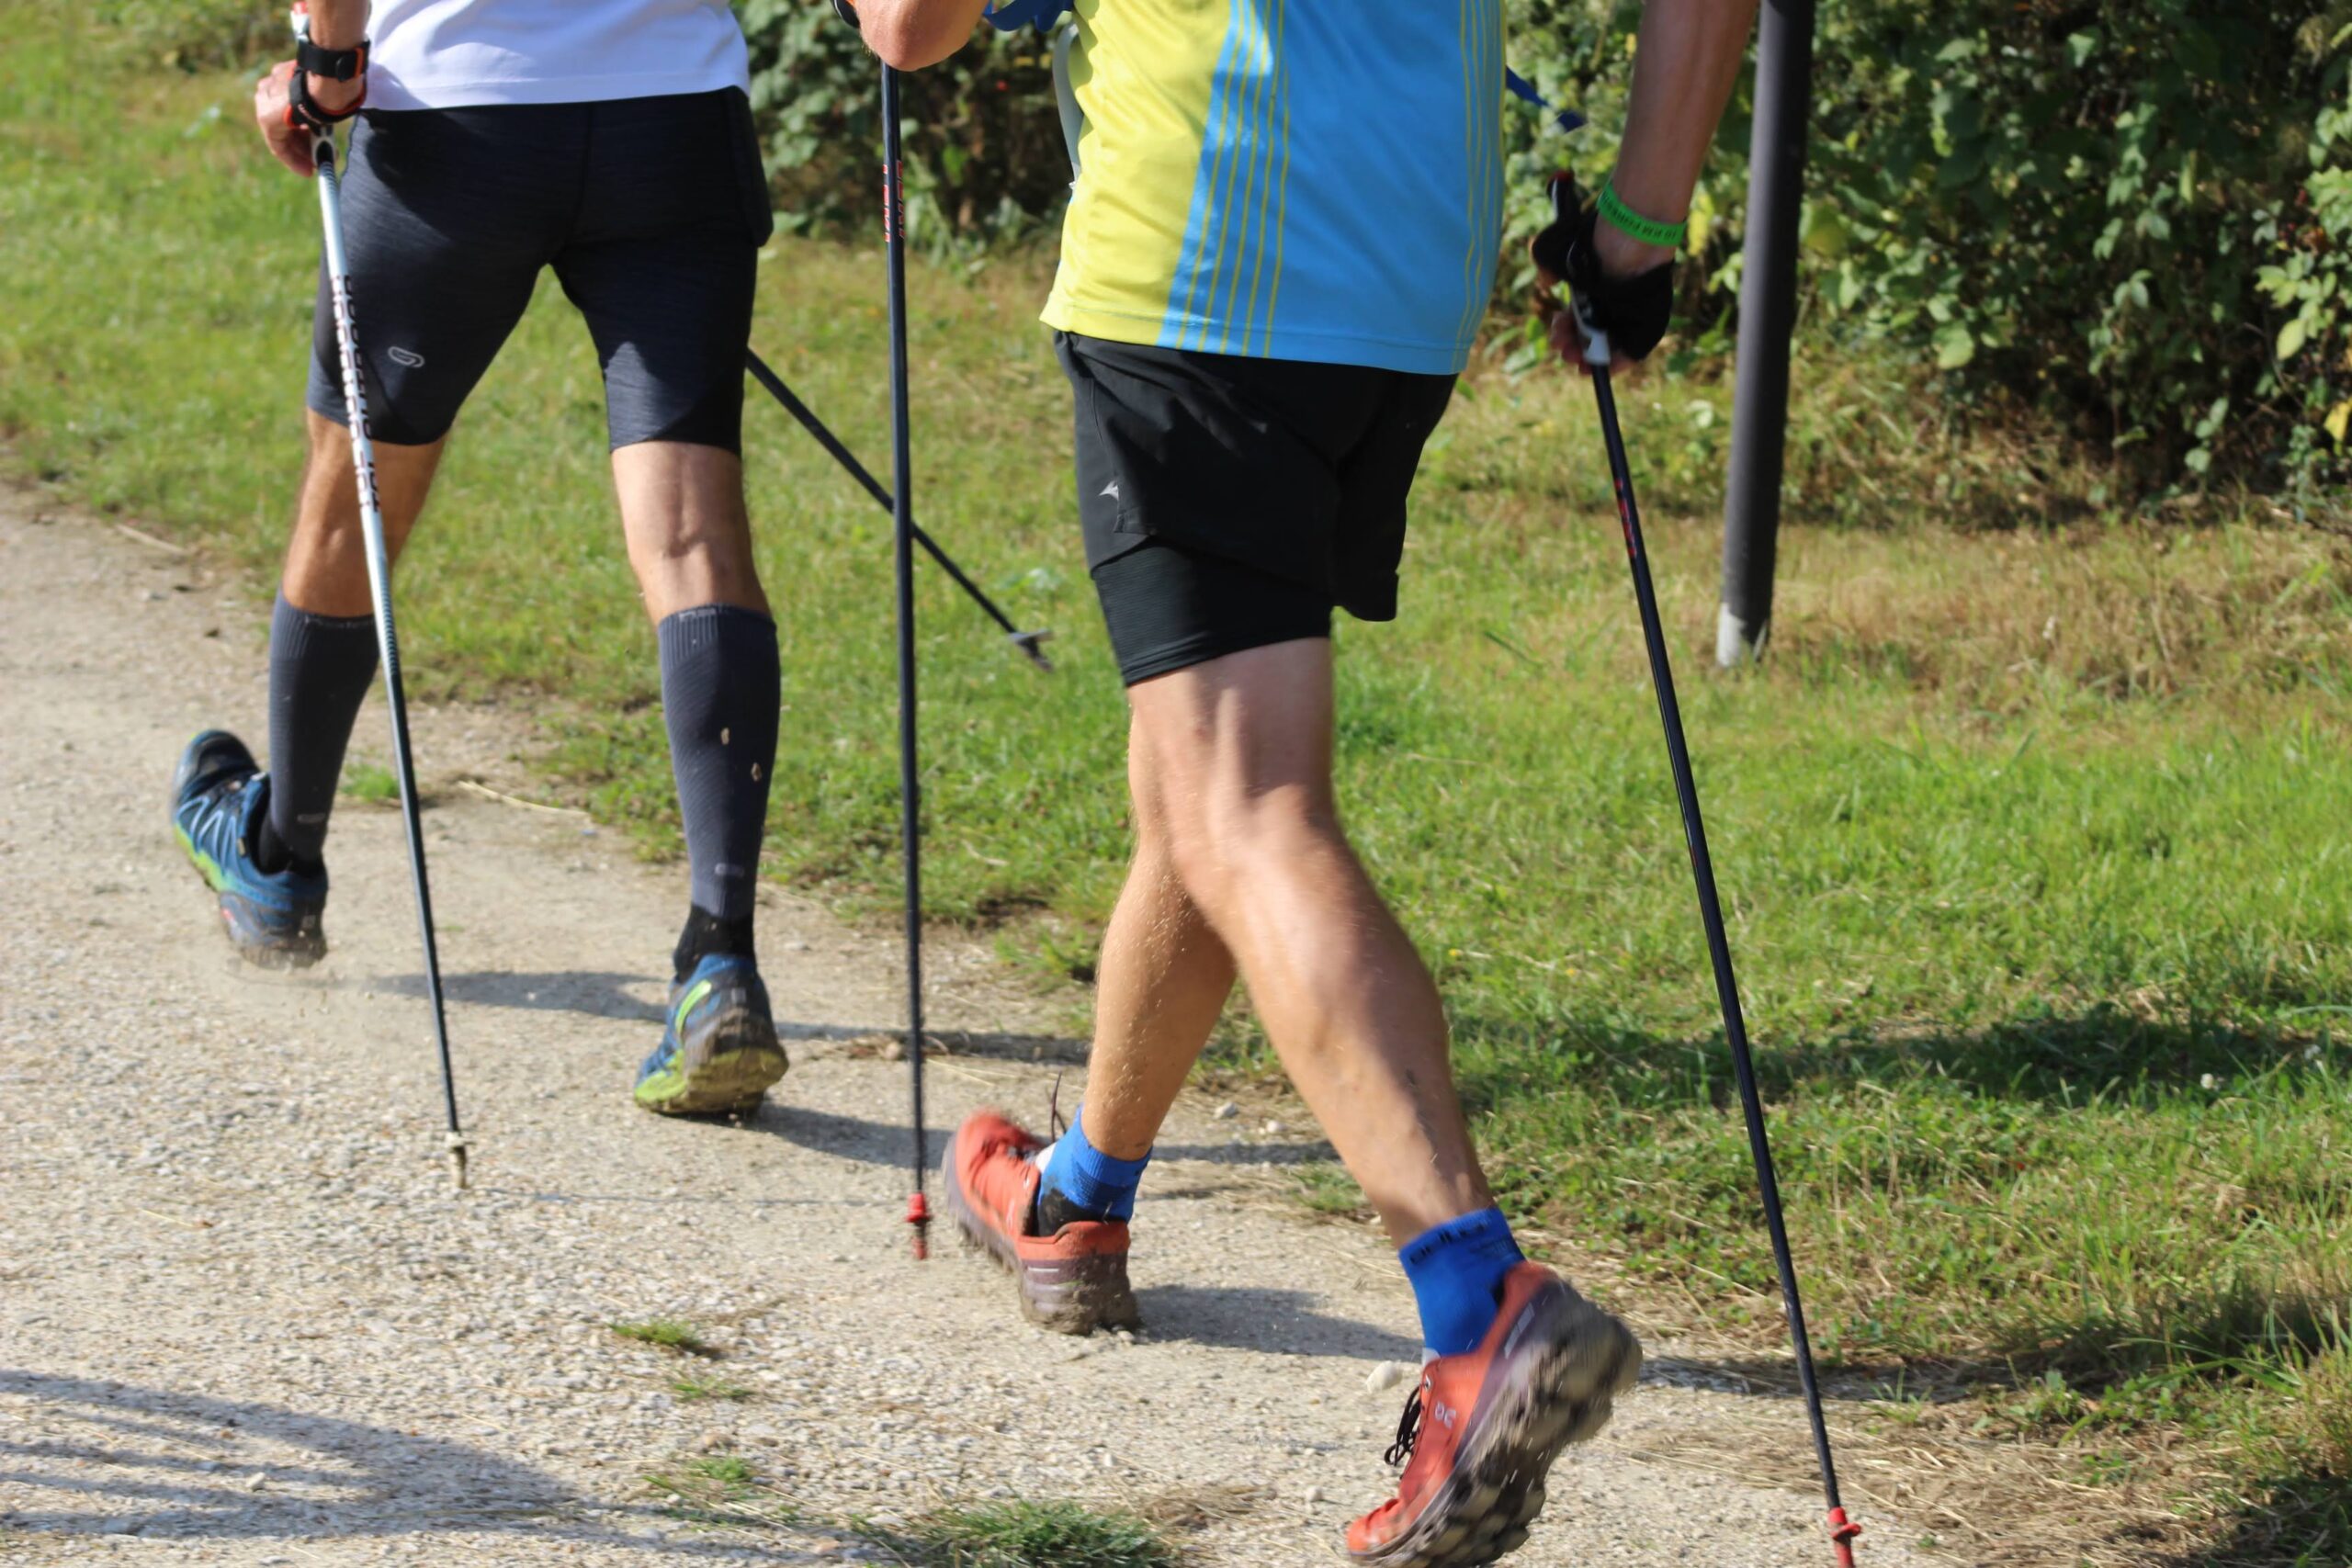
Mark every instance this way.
x=721 y=686
x=320 y=670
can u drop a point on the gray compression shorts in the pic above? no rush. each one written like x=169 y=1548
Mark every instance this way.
x=650 y=212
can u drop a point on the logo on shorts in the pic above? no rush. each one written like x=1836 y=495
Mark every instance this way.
x=1111 y=490
x=407 y=357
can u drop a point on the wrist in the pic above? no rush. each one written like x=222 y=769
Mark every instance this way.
x=1622 y=256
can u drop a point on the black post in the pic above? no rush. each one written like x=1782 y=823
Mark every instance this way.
x=1767 y=308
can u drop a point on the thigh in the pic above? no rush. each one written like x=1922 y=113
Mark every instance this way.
x=448 y=217
x=1249 y=730
x=664 y=261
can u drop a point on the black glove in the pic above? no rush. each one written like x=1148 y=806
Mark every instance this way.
x=1631 y=312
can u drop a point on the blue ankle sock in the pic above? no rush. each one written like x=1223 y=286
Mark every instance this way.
x=1457 y=1271
x=1088 y=1180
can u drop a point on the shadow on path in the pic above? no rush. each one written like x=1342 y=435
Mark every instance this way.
x=633 y=999
x=1250 y=1317
x=596 y=993
x=884 y=1142
x=113 y=1458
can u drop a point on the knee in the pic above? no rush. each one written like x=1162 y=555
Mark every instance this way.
x=1230 y=835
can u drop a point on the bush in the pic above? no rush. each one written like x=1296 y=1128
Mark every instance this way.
x=985 y=163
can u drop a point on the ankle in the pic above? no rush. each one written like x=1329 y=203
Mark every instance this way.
x=1457 y=1271
x=272 y=855
x=706 y=934
x=1077 y=1181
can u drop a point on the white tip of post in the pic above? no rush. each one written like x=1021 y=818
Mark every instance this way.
x=1734 y=644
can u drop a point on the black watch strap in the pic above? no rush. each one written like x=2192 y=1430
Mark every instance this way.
x=336 y=64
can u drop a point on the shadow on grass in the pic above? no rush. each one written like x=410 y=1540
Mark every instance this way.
x=2294 y=1521
x=2102 y=1054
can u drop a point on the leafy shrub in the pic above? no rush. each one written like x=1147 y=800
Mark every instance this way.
x=984 y=163
x=2129 y=218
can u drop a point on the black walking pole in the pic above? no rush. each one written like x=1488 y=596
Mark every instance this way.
x=380 y=589
x=894 y=226
x=1027 y=642
x=1842 y=1530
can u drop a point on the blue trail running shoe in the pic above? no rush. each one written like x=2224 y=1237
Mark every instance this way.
x=719 y=1052
x=217 y=796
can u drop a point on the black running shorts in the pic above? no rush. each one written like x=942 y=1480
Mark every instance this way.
x=1273 y=488
x=650 y=210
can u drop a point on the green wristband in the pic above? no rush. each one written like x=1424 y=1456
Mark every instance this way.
x=1648 y=230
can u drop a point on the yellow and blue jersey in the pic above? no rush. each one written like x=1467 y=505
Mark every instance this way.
x=1287 y=179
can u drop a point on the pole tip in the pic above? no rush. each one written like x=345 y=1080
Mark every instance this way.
x=918 y=1217
x=1032 y=644
x=456 y=1147
x=1842 y=1533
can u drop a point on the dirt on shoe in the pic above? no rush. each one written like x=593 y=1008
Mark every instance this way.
x=1073 y=1281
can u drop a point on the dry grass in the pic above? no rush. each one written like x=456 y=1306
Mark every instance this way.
x=2120 y=612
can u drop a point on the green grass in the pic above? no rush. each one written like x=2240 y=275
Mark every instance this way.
x=726 y=1492
x=708 y=1388
x=1031 y=1535
x=666 y=1332
x=2033 y=841
x=366 y=781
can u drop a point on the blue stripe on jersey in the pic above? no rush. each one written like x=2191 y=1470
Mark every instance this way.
x=1387 y=256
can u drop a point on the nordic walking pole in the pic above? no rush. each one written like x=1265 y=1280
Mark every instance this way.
x=1029 y=643
x=379 y=590
x=894 y=236
x=1842 y=1530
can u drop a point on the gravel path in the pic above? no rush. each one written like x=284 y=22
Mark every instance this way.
x=244 y=1319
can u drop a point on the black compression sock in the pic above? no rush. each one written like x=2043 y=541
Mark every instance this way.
x=704 y=934
x=720 y=692
x=320 y=669
x=272 y=854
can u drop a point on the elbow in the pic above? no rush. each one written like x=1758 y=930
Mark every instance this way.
x=906 y=38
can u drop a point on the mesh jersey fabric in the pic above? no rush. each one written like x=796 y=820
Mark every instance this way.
x=1314 y=180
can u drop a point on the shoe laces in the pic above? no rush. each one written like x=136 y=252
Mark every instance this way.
x=1409 y=1429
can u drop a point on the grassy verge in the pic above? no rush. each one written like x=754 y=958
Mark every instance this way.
x=2035 y=841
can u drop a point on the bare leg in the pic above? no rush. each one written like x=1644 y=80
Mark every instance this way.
x=689 y=535
x=326 y=561
x=1239 y=754
x=1163 y=980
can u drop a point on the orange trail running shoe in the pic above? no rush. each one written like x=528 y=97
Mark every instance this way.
x=1072 y=1282
x=1483 y=1427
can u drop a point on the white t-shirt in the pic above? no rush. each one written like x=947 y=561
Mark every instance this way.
x=439 y=54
